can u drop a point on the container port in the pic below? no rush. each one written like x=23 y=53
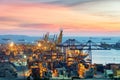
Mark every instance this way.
x=53 y=59
x=59 y=39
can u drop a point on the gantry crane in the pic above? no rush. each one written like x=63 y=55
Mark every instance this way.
x=89 y=46
x=46 y=51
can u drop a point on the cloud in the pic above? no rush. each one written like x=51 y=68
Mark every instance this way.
x=100 y=8
x=60 y=2
x=75 y=16
x=36 y=1
x=10 y=1
x=35 y=25
x=8 y=19
x=69 y=2
x=51 y=2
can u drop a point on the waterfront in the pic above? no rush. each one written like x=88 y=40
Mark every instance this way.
x=106 y=56
x=99 y=56
x=58 y=58
x=87 y=46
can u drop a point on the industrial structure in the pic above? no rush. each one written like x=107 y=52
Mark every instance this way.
x=50 y=58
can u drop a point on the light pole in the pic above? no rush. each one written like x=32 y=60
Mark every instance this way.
x=21 y=62
x=114 y=59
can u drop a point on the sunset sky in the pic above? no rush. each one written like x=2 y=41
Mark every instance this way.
x=75 y=17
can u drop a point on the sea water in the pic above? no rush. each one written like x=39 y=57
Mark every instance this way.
x=98 y=56
x=106 y=56
x=101 y=56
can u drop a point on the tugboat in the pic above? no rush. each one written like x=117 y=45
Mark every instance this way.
x=106 y=38
x=117 y=46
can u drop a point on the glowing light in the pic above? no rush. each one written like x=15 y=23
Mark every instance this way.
x=45 y=48
x=11 y=44
x=39 y=44
x=25 y=56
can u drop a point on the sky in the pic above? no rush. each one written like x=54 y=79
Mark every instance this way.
x=75 y=17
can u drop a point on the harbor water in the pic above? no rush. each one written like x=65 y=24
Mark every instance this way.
x=101 y=56
x=106 y=56
x=98 y=56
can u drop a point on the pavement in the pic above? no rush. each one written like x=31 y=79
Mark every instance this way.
x=99 y=76
x=22 y=73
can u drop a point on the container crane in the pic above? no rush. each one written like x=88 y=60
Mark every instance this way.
x=89 y=46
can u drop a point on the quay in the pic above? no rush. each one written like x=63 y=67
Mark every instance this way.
x=52 y=59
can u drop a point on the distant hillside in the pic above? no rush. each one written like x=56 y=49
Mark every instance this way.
x=17 y=38
x=29 y=39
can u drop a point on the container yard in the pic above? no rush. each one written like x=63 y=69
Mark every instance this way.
x=53 y=59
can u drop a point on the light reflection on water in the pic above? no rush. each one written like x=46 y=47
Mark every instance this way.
x=106 y=56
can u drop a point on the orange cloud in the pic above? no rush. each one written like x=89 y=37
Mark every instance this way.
x=34 y=18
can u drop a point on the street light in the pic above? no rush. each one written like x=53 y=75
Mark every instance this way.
x=21 y=64
x=39 y=45
x=24 y=56
x=11 y=44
